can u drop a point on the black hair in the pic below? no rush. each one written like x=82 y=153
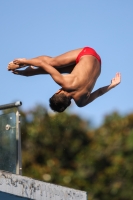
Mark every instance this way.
x=59 y=102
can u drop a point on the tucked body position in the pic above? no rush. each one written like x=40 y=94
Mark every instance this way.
x=75 y=71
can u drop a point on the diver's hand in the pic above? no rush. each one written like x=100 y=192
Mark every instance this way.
x=116 y=80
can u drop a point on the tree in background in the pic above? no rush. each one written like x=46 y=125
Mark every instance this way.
x=63 y=149
x=108 y=166
x=50 y=144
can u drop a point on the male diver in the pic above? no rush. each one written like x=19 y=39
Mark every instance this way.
x=83 y=67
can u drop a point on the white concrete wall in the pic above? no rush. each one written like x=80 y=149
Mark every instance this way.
x=34 y=189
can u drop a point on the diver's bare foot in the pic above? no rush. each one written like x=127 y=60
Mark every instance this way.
x=17 y=64
x=12 y=66
x=20 y=61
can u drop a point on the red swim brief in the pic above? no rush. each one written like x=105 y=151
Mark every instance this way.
x=88 y=51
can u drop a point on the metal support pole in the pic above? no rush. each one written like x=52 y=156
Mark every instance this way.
x=18 y=141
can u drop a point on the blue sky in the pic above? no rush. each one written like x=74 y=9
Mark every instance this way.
x=39 y=27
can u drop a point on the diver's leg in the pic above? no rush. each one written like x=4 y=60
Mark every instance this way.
x=60 y=61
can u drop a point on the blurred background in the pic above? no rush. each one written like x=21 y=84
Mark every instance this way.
x=100 y=135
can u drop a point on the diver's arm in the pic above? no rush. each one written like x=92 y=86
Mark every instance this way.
x=114 y=82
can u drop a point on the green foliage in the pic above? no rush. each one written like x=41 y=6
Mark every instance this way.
x=62 y=149
x=50 y=145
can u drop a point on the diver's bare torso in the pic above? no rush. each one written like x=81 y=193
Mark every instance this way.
x=84 y=75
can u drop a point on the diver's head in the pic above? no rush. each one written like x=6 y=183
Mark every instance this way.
x=59 y=101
